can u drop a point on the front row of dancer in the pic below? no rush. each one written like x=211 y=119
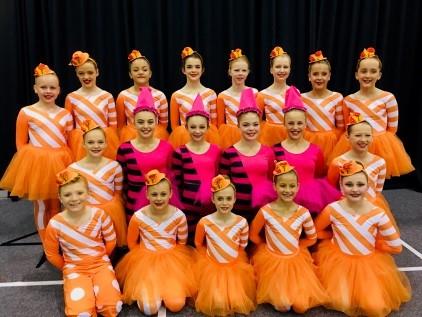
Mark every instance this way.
x=350 y=271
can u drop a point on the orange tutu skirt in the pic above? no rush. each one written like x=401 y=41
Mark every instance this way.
x=128 y=132
x=229 y=135
x=326 y=141
x=225 y=289
x=388 y=146
x=272 y=133
x=116 y=210
x=287 y=281
x=76 y=141
x=357 y=285
x=180 y=136
x=151 y=277
x=32 y=172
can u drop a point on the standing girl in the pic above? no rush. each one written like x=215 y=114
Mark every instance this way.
x=157 y=268
x=78 y=242
x=140 y=72
x=271 y=100
x=248 y=162
x=355 y=268
x=228 y=100
x=42 y=152
x=91 y=102
x=379 y=108
x=182 y=100
x=285 y=273
x=104 y=177
x=194 y=165
x=315 y=192
x=324 y=107
x=226 y=279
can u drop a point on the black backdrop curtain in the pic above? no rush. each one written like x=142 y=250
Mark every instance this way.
x=49 y=31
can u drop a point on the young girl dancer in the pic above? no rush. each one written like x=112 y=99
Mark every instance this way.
x=355 y=268
x=285 y=273
x=194 y=165
x=315 y=192
x=228 y=100
x=104 y=177
x=78 y=242
x=42 y=152
x=271 y=100
x=379 y=108
x=158 y=267
x=324 y=119
x=248 y=162
x=91 y=102
x=140 y=72
x=226 y=279
x=182 y=100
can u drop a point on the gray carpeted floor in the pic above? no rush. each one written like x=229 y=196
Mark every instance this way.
x=17 y=263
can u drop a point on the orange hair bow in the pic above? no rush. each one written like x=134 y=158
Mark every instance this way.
x=220 y=182
x=153 y=177
x=78 y=58
x=354 y=118
x=350 y=168
x=235 y=54
x=316 y=57
x=282 y=167
x=66 y=176
x=277 y=51
x=187 y=51
x=42 y=70
x=367 y=53
x=134 y=55
x=88 y=125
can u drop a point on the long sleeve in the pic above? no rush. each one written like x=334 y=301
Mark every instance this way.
x=174 y=113
x=112 y=116
x=213 y=110
x=310 y=231
x=200 y=237
x=182 y=231
x=333 y=174
x=163 y=116
x=392 y=109
x=221 y=109
x=177 y=167
x=391 y=238
x=133 y=234
x=322 y=222
x=21 y=130
x=381 y=179
x=225 y=164
x=52 y=247
x=108 y=233
x=260 y=102
x=256 y=227
x=338 y=117
x=244 y=235
x=320 y=168
x=120 y=111
x=118 y=180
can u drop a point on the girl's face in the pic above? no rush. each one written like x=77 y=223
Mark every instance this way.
x=368 y=73
x=140 y=72
x=280 y=68
x=95 y=142
x=360 y=137
x=319 y=76
x=224 y=200
x=159 y=195
x=87 y=74
x=239 y=71
x=193 y=68
x=145 y=122
x=47 y=88
x=354 y=187
x=295 y=123
x=286 y=186
x=73 y=196
x=249 y=126
x=197 y=127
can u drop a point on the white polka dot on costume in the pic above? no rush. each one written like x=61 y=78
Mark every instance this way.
x=119 y=306
x=96 y=290
x=77 y=294
x=110 y=268
x=105 y=258
x=84 y=314
x=72 y=276
x=115 y=285
x=70 y=266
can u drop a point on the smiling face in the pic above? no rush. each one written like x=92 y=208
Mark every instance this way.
x=140 y=72
x=280 y=68
x=286 y=185
x=249 y=126
x=319 y=75
x=224 y=200
x=368 y=72
x=239 y=71
x=94 y=142
x=193 y=68
x=360 y=136
x=87 y=74
x=197 y=127
x=354 y=187
x=159 y=195
x=295 y=123
x=145 y=123
x=47 y=88
x=73 y=196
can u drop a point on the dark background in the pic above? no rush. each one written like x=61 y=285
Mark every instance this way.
x=49 y=31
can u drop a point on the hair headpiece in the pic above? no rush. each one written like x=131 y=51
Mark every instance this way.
x=66 y=176
x=277 y=51
x=355 y=118
x=316 y=57
x=145 y=102
x=135 y=54
x=153 y=177
x=198 y=109
x=350 y=168
x=79 y=58
x=282 y=167
x=293 y=100
x=187 y=51
x=367 y=53
x=42 y=70
x=88 y=125
x=220 y=182
x=235 y=54
x=247 y=103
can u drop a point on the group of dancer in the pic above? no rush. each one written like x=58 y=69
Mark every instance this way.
x=299 y=167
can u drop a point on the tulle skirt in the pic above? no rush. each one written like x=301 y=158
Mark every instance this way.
x=180 y=136
x=287 y=281
x=229 y=135
x=128 y=132
x=388 y=146
x=225 y=289
x=272 y=133
x=76 y=141
x=32 y=172
x=326 y=141
x=315 y=194
x=357 y=285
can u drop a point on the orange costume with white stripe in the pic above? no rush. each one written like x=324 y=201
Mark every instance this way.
x=90 y=285
x=227 y=106
x=359 y=275
x=180 y=105
x=324 y=120
x=105 y=188
x=284 y=268
x=158 y=267
x=382 y=113
x=99 y=108
x=225 y=278
x=126 y=103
